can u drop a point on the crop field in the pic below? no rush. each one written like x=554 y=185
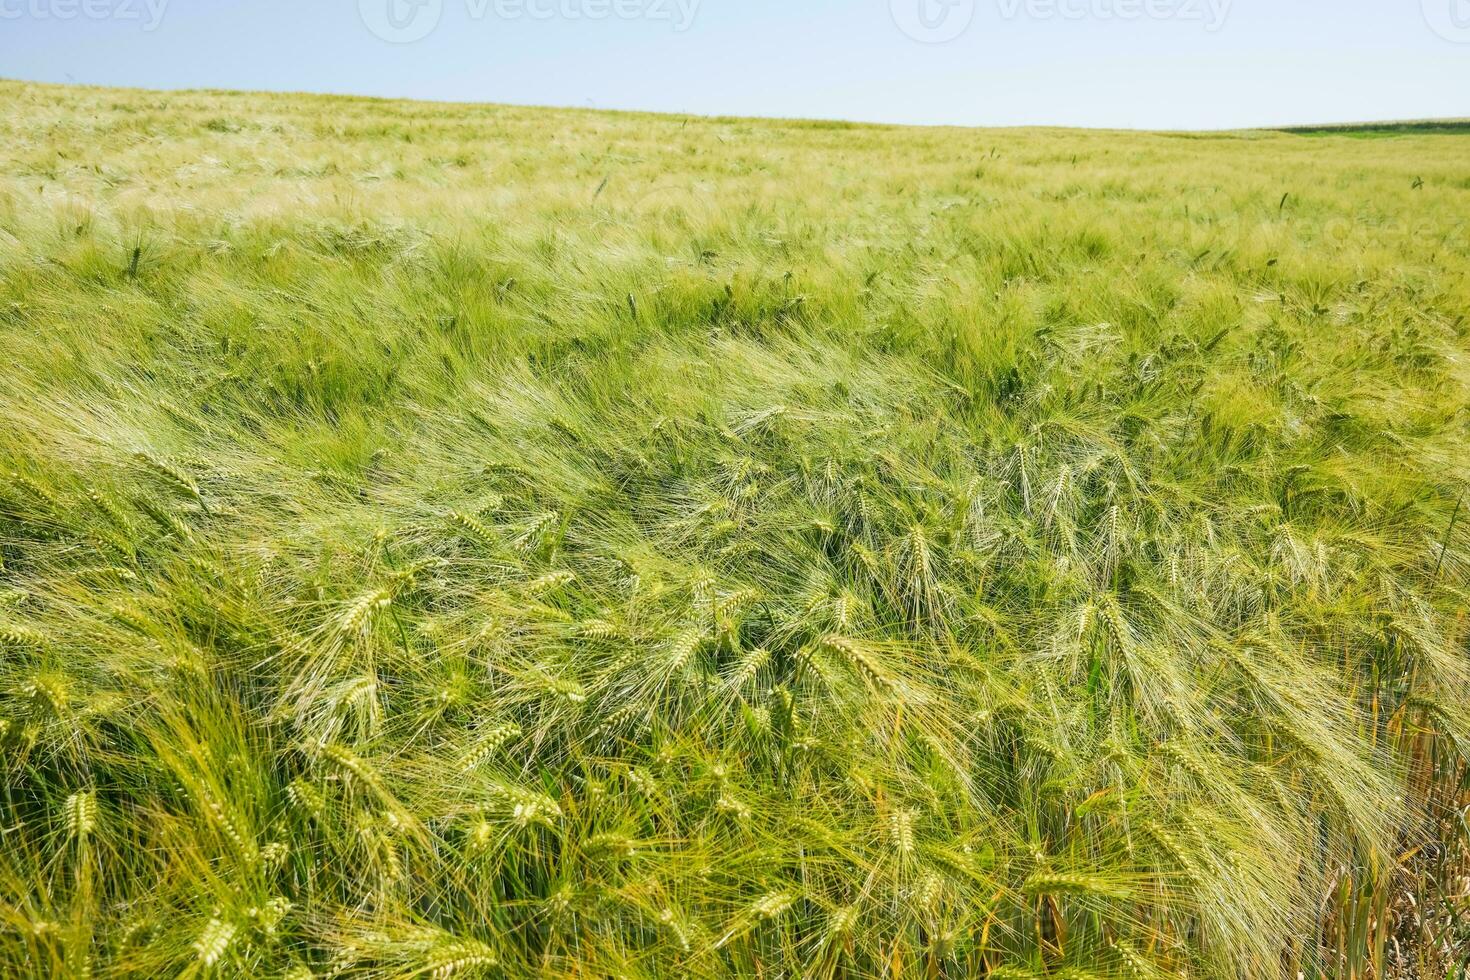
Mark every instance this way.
x=448 y=541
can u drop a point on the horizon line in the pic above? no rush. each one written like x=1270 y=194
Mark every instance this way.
x=1345 y=125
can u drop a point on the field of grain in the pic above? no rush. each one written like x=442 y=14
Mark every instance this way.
x=450 y=541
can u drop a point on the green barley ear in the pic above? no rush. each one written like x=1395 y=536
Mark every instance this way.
x=773 y=904
x=844 y=610
x=749 y=666
x=507 y=469
x=901 y=831
x=1136 y=966
x=22 y=637
x=681 y=649
x=601 y=629
x=678 y=927
x=458 y=957
x=491 y=503
x=226 y=820
x=351 y=764
x=35 y=490
x=49 y=691
x=167 y=521
x=551 y=582
x=841 y=923
x=214 y=941
x=81 y=815
x=471 y=527
x=862 y=659
x=1059 y=883
x=173 y=411
x=525 y=807
x=306 y=798
x=563 y=689
x=133 y=618
x=174 y=477
x=108 y=506
x=536 y=530
x=629 y=721
x=488 y=745
x=610 y=845
x=1179 y=754
x=357 y=616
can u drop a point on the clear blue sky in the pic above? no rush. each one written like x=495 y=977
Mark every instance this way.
x=1123 y=63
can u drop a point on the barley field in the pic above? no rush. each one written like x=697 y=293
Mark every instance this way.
x=448 y=541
